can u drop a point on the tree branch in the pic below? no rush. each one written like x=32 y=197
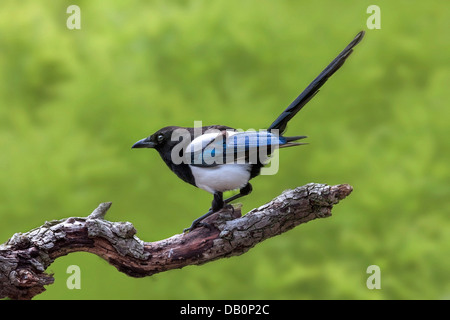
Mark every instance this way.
x=25 y=257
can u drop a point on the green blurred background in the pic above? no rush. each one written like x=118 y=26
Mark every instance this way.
x=72 y=102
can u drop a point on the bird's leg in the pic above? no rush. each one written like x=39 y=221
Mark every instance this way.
x=247 y=189
x=217 y=204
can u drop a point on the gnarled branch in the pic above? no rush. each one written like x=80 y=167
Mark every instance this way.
x=25 y=257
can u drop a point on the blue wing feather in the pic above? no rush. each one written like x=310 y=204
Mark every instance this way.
x=235 y=147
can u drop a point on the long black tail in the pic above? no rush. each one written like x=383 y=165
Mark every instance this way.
x=311 y=90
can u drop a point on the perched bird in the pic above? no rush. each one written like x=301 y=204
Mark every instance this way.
x=219 y=158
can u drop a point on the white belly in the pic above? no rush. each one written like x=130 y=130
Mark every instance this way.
x=222 y=177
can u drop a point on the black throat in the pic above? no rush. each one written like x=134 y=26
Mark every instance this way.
x=182 y=170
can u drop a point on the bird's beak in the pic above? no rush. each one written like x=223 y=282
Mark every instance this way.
x=144 y=143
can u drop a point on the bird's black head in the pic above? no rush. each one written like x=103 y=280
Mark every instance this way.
x=164 y=141
x=159 y=140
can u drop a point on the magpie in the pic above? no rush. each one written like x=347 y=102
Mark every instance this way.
x=219 y=158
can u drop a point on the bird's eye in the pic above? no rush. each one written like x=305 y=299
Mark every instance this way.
x=160 y=137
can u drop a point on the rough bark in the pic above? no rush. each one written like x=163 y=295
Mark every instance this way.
x=25 y=256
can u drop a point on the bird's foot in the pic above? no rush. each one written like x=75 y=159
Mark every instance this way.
x=198 y=222
x=197 y=225
x=230 y=206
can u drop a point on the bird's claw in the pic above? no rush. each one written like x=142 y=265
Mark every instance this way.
x=196 y=225
x=229 y=206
